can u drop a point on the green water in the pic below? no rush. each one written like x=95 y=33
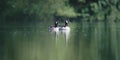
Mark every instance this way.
x=87 y=41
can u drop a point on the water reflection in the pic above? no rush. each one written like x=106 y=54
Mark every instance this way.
x=88 y=41
x=62 y=32
x=66 y=33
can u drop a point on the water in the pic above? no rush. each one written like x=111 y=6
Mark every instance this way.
x=86 y=41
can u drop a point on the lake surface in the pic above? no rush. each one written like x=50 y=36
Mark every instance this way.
x=86 y=41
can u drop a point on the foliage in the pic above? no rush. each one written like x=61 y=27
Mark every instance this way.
x=38 y=9
x=67 y=11
x=102 y=10
x=48 y=9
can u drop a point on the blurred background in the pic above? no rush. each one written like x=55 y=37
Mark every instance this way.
x=94 y=35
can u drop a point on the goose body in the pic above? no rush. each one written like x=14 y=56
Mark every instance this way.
x=67 y=28
x=54 y=29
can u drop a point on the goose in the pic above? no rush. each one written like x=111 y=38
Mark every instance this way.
x=65 y=27
x=54 y=28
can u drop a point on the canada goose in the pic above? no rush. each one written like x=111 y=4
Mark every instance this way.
x=66 y=26
x=54 y=28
